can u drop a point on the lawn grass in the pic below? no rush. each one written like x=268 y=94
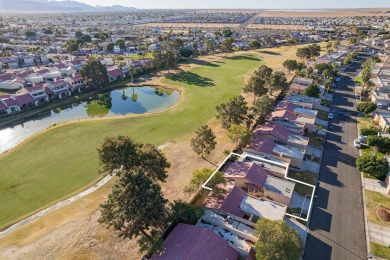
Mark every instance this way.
x=322 y=115
x=63 y=160
x=373 y=199
x=307 y=177
x=380 y=250
x=364 y=122
x=358 y=80
x=315 y=140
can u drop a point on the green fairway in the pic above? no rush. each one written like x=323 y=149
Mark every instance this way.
x=63 y=161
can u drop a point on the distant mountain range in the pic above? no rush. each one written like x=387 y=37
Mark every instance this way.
x=55 y=6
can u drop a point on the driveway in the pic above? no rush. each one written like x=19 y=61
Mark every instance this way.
x=379 y=234
x=375 y=185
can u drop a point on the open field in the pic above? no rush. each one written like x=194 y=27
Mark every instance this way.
x=276 y=27
x=73 y=230
x=166 y=26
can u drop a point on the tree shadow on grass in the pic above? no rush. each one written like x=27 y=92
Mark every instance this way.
x=242 y=57
x=270 y=53
x=191 y=78
x=205 y=63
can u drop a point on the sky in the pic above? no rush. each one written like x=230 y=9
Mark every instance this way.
x=242 y=4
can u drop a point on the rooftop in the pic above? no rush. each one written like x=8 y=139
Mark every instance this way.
x=263 y=208
x=289 y=151
x=277 y=185
x=192 y=242
x=306 y=112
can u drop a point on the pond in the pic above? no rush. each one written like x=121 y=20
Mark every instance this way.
x=126 y=101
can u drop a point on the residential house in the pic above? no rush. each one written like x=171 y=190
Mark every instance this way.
x=382 y=98
x=304 y=101
x=280 y=135
x=262 y=145
x=57 y=88
x=193 y=242
x=258 y=181
x=114 y=74
x=382 y=119
x=76 y=83
x=286 y=115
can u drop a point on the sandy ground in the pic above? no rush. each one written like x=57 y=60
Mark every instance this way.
x=276 y=27
x=188 y=25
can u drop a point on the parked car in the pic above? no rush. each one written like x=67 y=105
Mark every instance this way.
x=330 y=116
x=357 y=144
x=362 y=139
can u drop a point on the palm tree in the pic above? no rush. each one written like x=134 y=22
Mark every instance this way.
x=134 y=97
x=132 y=71
x=124 y=97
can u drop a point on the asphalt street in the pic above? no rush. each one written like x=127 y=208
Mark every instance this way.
x=337 y=223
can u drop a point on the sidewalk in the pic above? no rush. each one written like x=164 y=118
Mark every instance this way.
x=379 y=234
x=375 y=185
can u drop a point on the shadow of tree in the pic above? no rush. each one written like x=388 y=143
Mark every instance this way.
x=270 y=53
x=205 y=63
x=191 y=78
x=242 y=57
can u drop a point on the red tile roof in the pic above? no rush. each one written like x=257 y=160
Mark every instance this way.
x=263 y=145
x=3 y=106
x=284 y=114
x=114 y=73
x=232 y=202
x=7 y=76
x=187 y=242
x=276 y=130
x=285 y=105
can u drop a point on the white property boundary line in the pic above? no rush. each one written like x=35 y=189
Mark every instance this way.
x=286 y=177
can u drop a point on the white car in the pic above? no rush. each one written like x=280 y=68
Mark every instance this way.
x=330 y=116
x=357 y=144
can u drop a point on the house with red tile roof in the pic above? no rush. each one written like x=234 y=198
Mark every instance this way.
x=281 y=135
x=114 y=74
x=57 y=89
x=195 y=243
x=246 y=175
x=261 y=145
x=286 y=115
x=76 y=83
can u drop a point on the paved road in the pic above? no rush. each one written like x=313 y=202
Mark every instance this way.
x=337 y=222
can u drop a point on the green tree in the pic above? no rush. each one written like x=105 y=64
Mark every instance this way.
x=303 y=53
x=78 y=34
x=371 y=164
x=263 y=108
x=240 y=135
x=184 y=212
x=255 y=45
x=121 y=44
x=290 y=65
x=312 y=91
x=256 y=85
x=151 y=243
x=232 y=111
x=264 y=72
x=276 y=240
x=382 y=143
x=110 y=47
x=134 y=205
x=123 y=152
x=185 y=52
x=95 y=73
x=366 y=107
x=227 y=45
x=352 y=40
x=170 y=61
x=199 y=177
x=278 y=82
x=204 y=141
x=372 y=130
x=211 y=46
x=314 y=50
